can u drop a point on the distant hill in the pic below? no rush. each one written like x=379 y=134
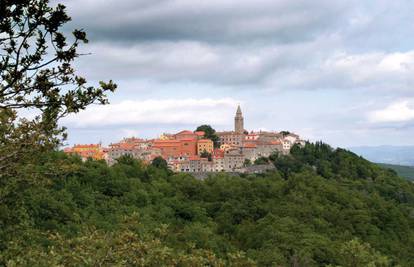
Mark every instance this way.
x=403 y=171
x=396 y=155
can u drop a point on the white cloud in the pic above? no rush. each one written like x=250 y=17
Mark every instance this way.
x=333 y=70
x=401 y=111
x=153 y=111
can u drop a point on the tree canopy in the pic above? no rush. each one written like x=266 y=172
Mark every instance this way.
x=36 y=75
x=209 y=133
x=321 y=207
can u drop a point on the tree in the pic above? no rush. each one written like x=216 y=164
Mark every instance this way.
x=124 y=247
x=261 y=161
x=247 y=162
x=160 y=163
x=36 y=75
x=206 y=155
x=209 y=133
x=356 y=254
x=284 y=133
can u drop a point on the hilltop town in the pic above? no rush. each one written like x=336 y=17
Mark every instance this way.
x=203 y=150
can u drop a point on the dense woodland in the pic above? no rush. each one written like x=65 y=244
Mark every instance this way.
x=321 y=207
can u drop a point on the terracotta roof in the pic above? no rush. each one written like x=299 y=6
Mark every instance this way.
x=166 y=145
x=185 y=132
x=200 y=133
x=87 y=146
x=166 y=141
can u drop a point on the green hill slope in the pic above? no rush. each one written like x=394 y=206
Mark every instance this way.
x=403 y=171
x=321 y=207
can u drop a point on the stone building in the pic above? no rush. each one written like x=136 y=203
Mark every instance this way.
x=253 y=151
x=268 y=136
x=233 y=159
x=218 y=163
x=236 y=137
x=230 y=138
x=137 y=150
x=239 y=121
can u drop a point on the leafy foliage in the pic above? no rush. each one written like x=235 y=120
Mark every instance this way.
x=261 y=160
x=205 y=154
x=209 y=133
x=324 y=207
x=37 y=77
x=160 y=163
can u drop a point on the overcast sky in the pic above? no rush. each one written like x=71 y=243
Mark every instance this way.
x=338 y=71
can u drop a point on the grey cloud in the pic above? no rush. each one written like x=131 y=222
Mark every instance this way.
x=312 y=65
x=279 y=44
x=195 y=61
x=210 y=21
x=271 y=44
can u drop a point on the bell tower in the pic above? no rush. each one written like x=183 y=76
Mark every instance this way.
x=239 y=121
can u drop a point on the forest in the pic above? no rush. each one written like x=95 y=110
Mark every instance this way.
x=321 y=207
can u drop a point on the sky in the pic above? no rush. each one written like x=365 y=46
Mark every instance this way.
x=331 y=70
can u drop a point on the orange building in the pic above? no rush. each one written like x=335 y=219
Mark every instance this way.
x=169 y=148
x=94 y=151
x=188 y=147
x=205 y=145
x=176 y=148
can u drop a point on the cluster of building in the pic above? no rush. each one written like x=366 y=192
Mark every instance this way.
x=189 y=151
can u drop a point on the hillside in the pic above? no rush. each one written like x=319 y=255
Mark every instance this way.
x=403 y=171
x=396 y=155
x=321 y=207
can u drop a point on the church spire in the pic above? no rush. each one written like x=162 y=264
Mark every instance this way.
x=238 y=110
x=239 y=121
